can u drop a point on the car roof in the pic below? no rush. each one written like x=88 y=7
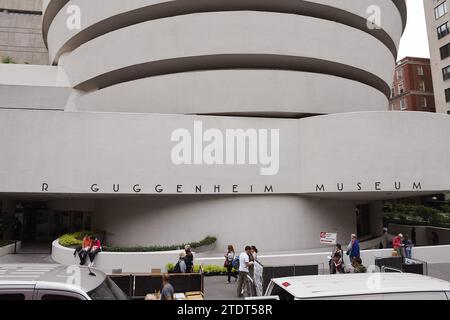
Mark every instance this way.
x=50 y=276
x=304 y=287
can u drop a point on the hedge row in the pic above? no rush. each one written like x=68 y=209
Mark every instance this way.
x=75 y=239
x=417 y=215
x=208 y=270
x=4 y=243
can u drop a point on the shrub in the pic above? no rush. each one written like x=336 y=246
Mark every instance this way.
x=4 y=243
x=416 y=215
x=208 y=270
x=8 y=60
x=76 y=239
x=207 y=241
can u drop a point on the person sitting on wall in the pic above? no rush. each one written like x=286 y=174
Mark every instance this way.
x=95 y=249
x=180 y=267
x=338 y=263
x=84 y=249
x=337 y=250
x=189 y=259
x=358 y=266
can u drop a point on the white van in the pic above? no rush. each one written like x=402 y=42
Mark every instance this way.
x=56 y=282
x=360 y=286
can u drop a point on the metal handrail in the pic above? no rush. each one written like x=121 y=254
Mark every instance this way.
x=384 y=268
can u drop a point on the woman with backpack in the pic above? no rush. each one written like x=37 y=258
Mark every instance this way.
x=229 y=257
x=180 y=267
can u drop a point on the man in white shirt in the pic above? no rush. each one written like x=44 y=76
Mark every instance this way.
x=244 y=264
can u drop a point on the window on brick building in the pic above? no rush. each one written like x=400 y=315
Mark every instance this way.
x=440 y=10
x=445 y=51
x=422 y=86
x=399 y=74
x=419 y=70
x=423 y=102
x=447 y=95
x=446 y=73
x=403 y=105
x=443 y=30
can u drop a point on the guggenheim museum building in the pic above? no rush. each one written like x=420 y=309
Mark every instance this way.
x=255 y=121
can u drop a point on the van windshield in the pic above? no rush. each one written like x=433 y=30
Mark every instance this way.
x=108 y=290
x=280 y=292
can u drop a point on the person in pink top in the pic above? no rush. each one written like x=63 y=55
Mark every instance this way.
x=397 y=244
x=96 y=247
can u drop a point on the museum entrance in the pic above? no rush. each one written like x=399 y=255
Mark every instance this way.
x=363 y=220
x=39 y=223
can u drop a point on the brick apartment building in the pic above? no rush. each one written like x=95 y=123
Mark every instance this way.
x=21 y=32
x=412 y=89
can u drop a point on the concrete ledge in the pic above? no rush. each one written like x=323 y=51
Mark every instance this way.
x=9 y=249
x=143 y=262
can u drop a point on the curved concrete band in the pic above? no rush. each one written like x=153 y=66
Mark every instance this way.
x=253 y=34
x=277 y=93
x=104 y=16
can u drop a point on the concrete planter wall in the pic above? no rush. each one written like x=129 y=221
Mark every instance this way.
x=135 y=262
x=9 y=249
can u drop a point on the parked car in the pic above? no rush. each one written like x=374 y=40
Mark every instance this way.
x=56 y=282
x=363 y=286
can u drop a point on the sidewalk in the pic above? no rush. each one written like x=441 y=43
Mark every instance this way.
x=30 y=253
x=217 y=288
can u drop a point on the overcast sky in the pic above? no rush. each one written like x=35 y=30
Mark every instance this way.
x=415 y=42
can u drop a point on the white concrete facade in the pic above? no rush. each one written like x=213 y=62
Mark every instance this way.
x=310 y=76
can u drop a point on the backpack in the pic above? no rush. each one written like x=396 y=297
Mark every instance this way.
x=236 y=263
x=177 y=268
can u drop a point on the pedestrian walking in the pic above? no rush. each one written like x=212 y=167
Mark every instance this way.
x=397 y=244
x=353 y=248
x=408 y=245
x=167 y=291
x=244 y=264
x=413 y=235
x=189 y=259
x=229 y=257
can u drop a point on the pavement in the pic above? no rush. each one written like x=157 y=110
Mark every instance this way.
x=217 y=288
x=30 y=253
x=440 y=271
